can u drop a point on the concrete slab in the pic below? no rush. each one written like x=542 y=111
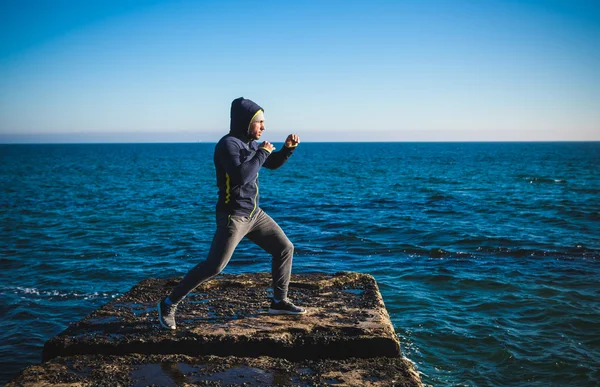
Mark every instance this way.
x=180 y=370
x=228 y=316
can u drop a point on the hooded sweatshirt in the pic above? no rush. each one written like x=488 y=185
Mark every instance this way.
x=237 y=162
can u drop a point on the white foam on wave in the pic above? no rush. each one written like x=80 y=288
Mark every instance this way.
x=544 y=180
x=56 y=293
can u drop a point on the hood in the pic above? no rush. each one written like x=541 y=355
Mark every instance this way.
x=242 y=111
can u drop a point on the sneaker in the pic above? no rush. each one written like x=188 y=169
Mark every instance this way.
x=285 y=307
x=166 y=315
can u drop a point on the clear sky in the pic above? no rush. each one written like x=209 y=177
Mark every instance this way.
x=404 y=70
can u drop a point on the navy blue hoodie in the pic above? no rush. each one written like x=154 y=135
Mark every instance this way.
x=237 y=161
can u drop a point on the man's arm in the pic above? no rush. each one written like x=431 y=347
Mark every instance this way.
x=240 y=172
x=277 y=159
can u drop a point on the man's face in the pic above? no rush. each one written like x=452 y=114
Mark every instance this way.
x=256 y=129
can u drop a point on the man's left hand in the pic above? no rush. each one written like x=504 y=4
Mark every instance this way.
x=292 y=141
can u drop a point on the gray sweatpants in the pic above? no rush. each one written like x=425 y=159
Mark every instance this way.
x=260 y=229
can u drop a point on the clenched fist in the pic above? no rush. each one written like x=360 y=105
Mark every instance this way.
x=292 y=140
x=267 y=145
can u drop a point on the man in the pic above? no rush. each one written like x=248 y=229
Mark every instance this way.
x=237 y=160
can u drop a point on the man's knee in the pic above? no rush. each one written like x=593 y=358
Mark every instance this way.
x=287 y=248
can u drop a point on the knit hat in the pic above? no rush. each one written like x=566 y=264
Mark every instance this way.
x=258 y=116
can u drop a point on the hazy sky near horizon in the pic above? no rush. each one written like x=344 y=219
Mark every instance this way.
x=412 y=70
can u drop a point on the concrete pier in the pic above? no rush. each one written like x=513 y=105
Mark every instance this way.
x=226 y=337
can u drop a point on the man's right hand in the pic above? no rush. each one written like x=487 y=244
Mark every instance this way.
x=267 y=145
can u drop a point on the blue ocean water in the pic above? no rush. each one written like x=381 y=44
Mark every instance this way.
x=487 y=254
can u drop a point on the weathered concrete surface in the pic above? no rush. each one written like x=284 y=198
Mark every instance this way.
x=181 y=370
x=228 y=316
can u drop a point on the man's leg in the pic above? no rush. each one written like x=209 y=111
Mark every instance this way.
x=267 y=234
x=230 y=231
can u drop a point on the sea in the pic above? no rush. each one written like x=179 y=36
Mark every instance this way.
x=487 y=255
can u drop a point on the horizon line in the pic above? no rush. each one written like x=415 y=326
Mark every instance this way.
x=305 y=142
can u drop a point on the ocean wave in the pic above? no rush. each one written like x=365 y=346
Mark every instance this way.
x=543 y=180
x=439 y=197
x=53 y=294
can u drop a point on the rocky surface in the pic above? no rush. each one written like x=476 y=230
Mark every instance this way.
x=182 y=370
x=228 y=316
x=226 y=337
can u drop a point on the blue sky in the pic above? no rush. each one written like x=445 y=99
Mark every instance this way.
x=453 y=70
